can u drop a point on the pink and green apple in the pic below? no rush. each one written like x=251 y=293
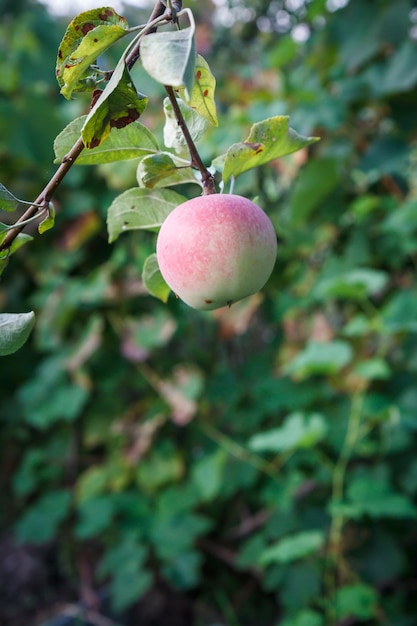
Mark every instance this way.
x=216 y=249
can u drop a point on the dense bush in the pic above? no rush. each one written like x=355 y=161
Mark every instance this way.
x=249 y=467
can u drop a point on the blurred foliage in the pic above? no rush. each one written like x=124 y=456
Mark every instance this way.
x=259 y=461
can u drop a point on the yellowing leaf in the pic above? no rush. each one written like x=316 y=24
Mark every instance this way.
x=268 y=140
x=202 y=94
x=87 y=36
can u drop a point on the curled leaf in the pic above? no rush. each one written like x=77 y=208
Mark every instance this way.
x=118 y=106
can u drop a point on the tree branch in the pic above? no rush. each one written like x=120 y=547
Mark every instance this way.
x=196 y=162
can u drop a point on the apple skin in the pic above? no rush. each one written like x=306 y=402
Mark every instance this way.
x=216 y=249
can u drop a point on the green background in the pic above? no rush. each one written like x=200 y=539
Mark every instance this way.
x=254 y=467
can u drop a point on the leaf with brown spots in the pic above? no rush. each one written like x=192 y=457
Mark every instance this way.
x=118 y=106
x=268 y=140
x=87 y=36
x=202 y=95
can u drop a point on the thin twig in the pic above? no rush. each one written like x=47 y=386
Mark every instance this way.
x=196 y=161
x=158 y=11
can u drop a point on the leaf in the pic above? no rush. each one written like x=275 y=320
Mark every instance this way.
x=118 y=105
x=173 y=135
x=152 y=279
x=208 y=475
x=144 y=333
x=321 y=358
x=20 y=240
x=15 y=329
x=373 y=369
x=400 y=314
x=400 y=74
x=160 y=468
x=357 y=601
x=314 y=182
x=163 y=170
x=304 y=618
x=49 y=221
x=140 y=209
x=293 y=547
x=41 y=520
x=365 y=496
x=91 y=483
x=8 y=202
x=169 y=57
x=174 y=534
x=268 y=140
x=202 y=94
x=125 y=564
x=130 y=142
x=354 y=284
x=298 y=431
x=96 y=515
x=87 y=36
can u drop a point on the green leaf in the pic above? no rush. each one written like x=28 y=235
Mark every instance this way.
x=173 y=135
x=49 y=221
x=147 y=332
x=8 y=202
x=152 y=279
x=118 y=105
x=304 y=618
x=400 y=314
x=159 y=469
x=169 y=57
x=124 y=563
x=293 y=547
x=130 y=142
x=298 y=431
x=268 y=140
x=314 y=182
x=140 y=209
x=40 y=407
x=174 y=534
x=202 y=94
x=87 y=36
x=91 y=483
x=20 y=241
x=358 y=601
x=373 y=369
x=321 y=358
x=15 y=329
x=208 y=474
x=163 y=170
x=365 y=496
x=400 y=73
x=96 y=515
x=40 y=522
x=354 y=284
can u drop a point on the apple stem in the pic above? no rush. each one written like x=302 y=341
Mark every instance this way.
x=196 y=161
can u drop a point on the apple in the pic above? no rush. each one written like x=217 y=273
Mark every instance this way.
x=216 y=249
